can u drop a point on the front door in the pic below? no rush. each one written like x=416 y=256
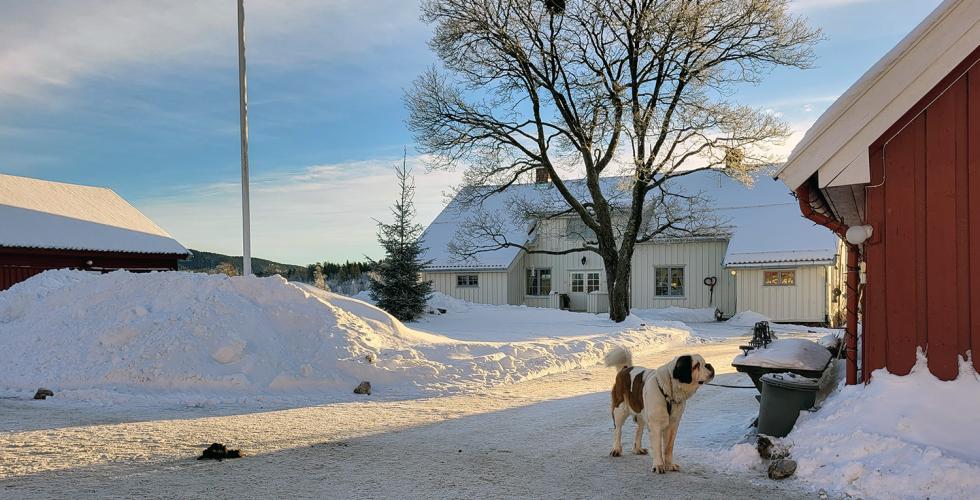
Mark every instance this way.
x=580 y=284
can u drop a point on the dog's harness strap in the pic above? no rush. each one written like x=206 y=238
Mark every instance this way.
x=670 y=404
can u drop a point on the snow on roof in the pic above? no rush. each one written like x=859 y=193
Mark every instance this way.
x=45 y=214
x=775 y=259
x=441 y=233
x=763 y=220
x=836 y=145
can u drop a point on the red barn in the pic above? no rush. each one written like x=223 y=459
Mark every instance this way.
x=51 y=225
x=895 y=165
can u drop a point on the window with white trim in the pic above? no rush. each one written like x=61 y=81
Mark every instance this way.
x=467 y=280
x=669 y=281
x=578 y=282
x=592 y=282
x=538 y=281
x=779 y=278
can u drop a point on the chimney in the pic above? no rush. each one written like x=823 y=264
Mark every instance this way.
x=541 y=176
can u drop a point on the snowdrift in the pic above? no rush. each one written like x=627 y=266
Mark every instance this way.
x=747 y=318
x=683 y=314
x=210 y=338
x=898 y=437
x=911 y=436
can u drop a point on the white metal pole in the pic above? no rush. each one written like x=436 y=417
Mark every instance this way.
x=243 y=117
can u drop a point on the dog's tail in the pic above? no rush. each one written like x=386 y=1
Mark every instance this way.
x=619 y=357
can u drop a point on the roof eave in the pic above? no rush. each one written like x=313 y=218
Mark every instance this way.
x=836 y=145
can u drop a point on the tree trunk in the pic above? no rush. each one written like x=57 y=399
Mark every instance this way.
x=618 y=284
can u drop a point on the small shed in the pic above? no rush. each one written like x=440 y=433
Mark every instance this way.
x=894 y=165
x=52 y=225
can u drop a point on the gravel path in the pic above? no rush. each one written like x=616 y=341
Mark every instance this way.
x=547 y=438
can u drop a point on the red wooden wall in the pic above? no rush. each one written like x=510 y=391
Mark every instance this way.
x=19 y=264
x=923 y=261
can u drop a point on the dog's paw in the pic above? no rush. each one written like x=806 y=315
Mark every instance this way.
x=673 y=467
x=616 y=453
x=640 y=451
x=659 y=469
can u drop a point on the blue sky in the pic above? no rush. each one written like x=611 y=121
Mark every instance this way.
x=142 y=97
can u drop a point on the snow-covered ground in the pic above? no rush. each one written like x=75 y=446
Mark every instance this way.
x=480 y=401
x=899 y=437
x=209 y=339
x=544 y=438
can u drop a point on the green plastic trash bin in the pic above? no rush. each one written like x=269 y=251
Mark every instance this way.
x=784 y=395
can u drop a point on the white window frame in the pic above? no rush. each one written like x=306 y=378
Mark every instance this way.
x=535 y=275
x=670 y=270
x=591 y=286
x=467 y=281
x=572 y=281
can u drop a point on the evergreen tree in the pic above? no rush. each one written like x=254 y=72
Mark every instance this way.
x=318 y=278
x=396 y=284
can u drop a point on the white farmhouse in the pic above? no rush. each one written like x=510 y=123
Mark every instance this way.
x=765 y=257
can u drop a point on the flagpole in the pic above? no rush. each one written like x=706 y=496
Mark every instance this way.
x=243 y=117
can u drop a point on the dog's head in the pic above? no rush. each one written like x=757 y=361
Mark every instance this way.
x=691 y=369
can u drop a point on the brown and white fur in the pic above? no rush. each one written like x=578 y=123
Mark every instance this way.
x=645 y=393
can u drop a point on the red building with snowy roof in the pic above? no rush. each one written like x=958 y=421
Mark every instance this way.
x=894 y=164
x=52 y=225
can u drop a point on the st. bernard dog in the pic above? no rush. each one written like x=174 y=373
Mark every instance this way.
x=655 y=399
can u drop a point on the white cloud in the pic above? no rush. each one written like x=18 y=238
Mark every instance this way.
x=321 y=212
x=47 y=45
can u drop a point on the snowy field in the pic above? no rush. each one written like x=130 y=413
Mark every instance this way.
x=480 y=401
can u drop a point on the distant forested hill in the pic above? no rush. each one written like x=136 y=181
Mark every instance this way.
x=209 y=262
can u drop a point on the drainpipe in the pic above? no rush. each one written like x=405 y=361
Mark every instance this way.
x=803 y=194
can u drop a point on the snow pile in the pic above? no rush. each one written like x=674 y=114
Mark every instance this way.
x=800 y=354
x=210 y=338
x=831 y=340
x=437 y=301
x=747 y=318
x=683 y=314
x=898 y=437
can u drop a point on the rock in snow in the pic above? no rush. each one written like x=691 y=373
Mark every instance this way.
x=43 y=393
x=782 y=468
x=363 y=388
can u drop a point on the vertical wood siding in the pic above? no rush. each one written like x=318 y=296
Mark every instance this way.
x=11 y=275
x=837 y=311
x=924 y=202
x=552 y=237
x=515 y=281
x=804 y=302
x=700 y=259
x=492 y=288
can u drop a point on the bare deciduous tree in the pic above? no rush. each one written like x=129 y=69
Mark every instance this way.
x=640 y=88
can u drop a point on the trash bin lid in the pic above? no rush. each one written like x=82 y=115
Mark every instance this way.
x=791 y=381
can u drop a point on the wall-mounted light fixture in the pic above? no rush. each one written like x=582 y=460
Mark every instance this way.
x=733 y=272
x=856 y=235
x=583 y=260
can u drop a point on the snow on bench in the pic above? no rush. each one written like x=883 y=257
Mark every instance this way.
x=799 y=354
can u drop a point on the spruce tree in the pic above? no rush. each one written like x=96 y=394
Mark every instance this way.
x=396 y=285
